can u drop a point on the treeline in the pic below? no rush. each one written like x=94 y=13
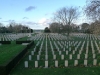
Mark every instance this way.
x=64 y=18
x=60 y=28
x=89 y=28
x=15 y=28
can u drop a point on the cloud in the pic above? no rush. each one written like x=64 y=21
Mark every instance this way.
x=25 y=18
x=9 y=21
x=30 y=23
x=0 y=18
x=30 y=8
x=44 y=21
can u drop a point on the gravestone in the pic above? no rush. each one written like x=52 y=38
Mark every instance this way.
x=26 y=64
x=80 y=52
x=95 y=62
x=39 y=52
x=46 y=57
x=66 y=52
x=78 y=56
x=75 y=62
x=38 y=57
x=85 y=62
x=30 y=57
x=36 y=64
x=62 y=57
x=98 y=51
x=46 y=64
x=66 y=63
x=54 y=57
x=56 y=63
x=94 y=55
x=32 y=52
x=59 y=52
x=73 y=52
x=70 y=56
x=86 y=56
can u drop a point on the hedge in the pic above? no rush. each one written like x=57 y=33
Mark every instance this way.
x=6 y=68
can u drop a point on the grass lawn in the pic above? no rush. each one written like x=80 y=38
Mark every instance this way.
x=23 y=39
x=8 y=51
x=61 y=70
x=58 y=71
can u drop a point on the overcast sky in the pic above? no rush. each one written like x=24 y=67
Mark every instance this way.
x=34 y=13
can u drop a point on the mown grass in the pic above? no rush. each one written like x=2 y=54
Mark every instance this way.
x=23 y=39
x=7 y=52
x=26 y=38
x=58 y=71
x=61 y=70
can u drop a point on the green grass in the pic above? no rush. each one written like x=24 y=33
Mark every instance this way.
x=61 y=70
x=23 y=39
x=58 y=71
x=7 y=52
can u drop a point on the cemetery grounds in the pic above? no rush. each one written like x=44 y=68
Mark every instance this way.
x=56 y=54
x=9 y=51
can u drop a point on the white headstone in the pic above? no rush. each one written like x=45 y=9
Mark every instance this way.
x=64 y=49
x=70 y=56
x=85 y=62
x=80 y=52
x=94 y=56
x=56 y=63
x=95 y=62
x=46 y=57
x=75 y=62
x=46 y=64
x=29 y=35
x=66 y=52
x=52 y=52
x=66 y=63
x=26 y=64
x=86 y=56
x=39 y=52
x=36 y=64
x=30 y=57
x=54 y=57
x=59 y=52
x=70 y=49
x=86 y=51
x=73 y=52
x=98 y=51
x=32 y=52
x=62 y=57
x=38 y=57
x=78 y=56
x=93 y=51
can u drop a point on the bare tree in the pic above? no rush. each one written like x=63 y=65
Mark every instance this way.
x=54 y=27
x=66 y=16
x=93 y=9
x=93 y=12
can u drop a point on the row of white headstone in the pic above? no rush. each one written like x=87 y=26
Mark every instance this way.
x=12 y=37
x=62 y=56
x=62 y=42
x=87 y=37
x=60 y=52
x=61 y=46
x=54 y=36
x=57 y=63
